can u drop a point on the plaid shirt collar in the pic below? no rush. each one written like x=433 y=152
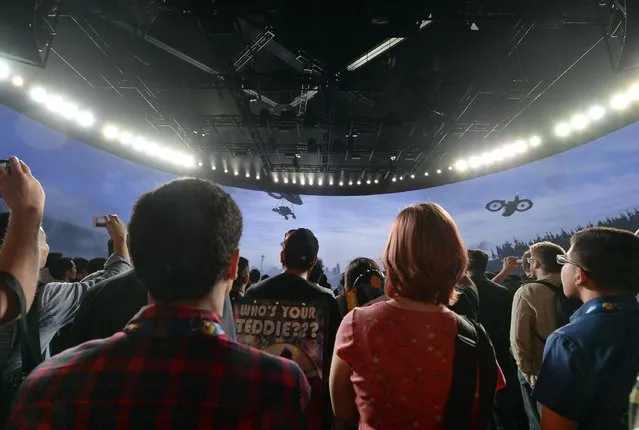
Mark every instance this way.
x=174 y=313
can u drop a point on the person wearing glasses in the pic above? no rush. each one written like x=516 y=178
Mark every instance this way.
x=590 y=365
x=533 y=318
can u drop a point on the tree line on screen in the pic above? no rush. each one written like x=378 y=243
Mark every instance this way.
x=625 y=221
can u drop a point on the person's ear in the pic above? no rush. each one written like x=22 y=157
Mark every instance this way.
x=231 y=272
x=581 y=278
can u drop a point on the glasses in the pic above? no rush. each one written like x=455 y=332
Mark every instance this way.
x=562 y=260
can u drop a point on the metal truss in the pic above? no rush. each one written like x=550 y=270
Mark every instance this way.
x=248 y=54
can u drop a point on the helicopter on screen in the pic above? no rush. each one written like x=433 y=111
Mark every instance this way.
x=509 y=207
x=286 y=212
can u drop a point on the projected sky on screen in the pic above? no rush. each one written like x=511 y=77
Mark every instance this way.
x=595 y=181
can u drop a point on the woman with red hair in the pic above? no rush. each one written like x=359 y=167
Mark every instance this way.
x=392 y=365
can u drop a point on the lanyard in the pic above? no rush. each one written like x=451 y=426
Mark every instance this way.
x=164 y=327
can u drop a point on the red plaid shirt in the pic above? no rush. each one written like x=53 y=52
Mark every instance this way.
x=153 y=375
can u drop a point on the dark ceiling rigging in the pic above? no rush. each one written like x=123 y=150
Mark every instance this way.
x=283 y=89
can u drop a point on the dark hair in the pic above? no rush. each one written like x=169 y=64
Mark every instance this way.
x=254 y=276
x=610 y=256
x=546 y=254
x=356 y=268
x=51 y=258
x=342 y=278
x=242 y=272
x=316 y=272
x=96 y=264
x=264 y=277
x=60 y=267
x=300 y=249
x=477 y=261
x=81 y=264
x=424 y=256
x=182 y=236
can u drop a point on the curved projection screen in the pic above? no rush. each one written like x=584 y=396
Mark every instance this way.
x=596 y=183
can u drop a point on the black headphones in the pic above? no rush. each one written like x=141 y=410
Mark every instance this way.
x=367 y=286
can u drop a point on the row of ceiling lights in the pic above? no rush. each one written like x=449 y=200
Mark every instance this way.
x=84 y=118
x=70 y=111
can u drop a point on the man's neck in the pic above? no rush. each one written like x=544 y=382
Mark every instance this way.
x=296 y=272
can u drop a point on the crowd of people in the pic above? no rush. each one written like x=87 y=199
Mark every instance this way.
x=427 y=340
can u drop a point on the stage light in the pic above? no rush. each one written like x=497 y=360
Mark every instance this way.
x=450 y=167
x=213 y=167
x=275 y=179
x=110 y=131
x=286 y=180
x=257 y=176
x=341 y=183
x=4 y=71
x=359 y=182
x=579 y=122
x=412 y=176
x=401 y=178
x=461 y=165
x=54 y=103
x=439 y=171
x=330 y=182
x=38 y=94
x=520 y=147
x=562 y=129
x=368 y=182
x=302 y=181
x=294 y=181
x=350 y=182
x=236 y=173
x=310 y=181
x=17 y=81
x=68 y=110
x=200 y=164
x=425 y=173
x=248 y=175
x=126 y=138
x=596 y=112
x=85 y=119
x=619 y=101
x=140 y=144
x=188 y=161
x=320 y=182
x=376 y=181
x=633 y=92
x=486 y=159
x=394 y=179
x=535 y=141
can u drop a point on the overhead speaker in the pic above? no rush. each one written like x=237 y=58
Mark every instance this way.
x=27 y=29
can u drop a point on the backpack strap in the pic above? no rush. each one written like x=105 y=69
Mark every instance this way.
x=29 y=329
x=553 y=287
x=463 y=386
x=473 y=353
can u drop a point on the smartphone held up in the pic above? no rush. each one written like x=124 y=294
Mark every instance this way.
x=5 y=165
x=99 y=222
